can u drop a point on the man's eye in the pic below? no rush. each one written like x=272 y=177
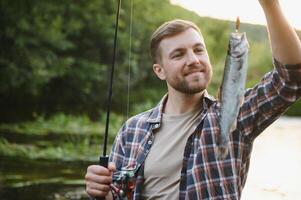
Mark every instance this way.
x=178 y=55
x=199 y=50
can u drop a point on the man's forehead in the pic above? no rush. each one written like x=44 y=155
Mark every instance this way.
x=187 y=38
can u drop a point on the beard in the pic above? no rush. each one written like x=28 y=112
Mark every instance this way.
x=193 y=86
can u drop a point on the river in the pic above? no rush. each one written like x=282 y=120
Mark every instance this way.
x=275 y=170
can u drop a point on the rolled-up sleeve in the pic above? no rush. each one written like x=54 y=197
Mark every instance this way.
x=270 y=98
x=290 y=76
x=289 y=73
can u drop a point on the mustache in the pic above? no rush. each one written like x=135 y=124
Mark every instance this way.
x=194 y=68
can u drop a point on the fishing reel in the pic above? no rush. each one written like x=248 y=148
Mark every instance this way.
x=123 y=184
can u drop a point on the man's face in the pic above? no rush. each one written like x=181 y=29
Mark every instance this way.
x=184 y=64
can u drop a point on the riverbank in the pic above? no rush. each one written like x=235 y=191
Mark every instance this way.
x=26 y=156
x=276 y=162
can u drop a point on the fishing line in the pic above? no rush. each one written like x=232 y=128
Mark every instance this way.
x=129 y=61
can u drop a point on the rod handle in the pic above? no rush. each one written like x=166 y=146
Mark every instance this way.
x=103 y=161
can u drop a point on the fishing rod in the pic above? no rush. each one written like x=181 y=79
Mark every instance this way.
x=109 y=101
x=104 y=159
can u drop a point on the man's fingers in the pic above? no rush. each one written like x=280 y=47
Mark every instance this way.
x=112 y=167
x=99 y=187
x=96 y=193
x=100 y=170
x=96 y=189
x=98 y=179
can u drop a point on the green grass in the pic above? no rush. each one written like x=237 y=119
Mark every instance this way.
x=81 y=137
x=62 y=123
x=68 y=151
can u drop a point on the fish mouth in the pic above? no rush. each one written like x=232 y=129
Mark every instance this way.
x=238 y=45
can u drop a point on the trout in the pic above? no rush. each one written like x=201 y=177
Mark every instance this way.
x=232 y=88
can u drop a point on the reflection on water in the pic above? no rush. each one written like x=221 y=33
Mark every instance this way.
x=275 y=168
x=45 y=192
x=41 y=179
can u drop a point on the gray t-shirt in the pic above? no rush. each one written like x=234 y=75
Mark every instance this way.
x=162 y=169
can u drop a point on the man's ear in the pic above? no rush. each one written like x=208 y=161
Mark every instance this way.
x=159 y=71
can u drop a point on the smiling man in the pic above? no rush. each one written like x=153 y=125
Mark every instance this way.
x=172 y=147
x=181 y=59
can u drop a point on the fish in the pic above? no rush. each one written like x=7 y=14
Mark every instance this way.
x=232 y=88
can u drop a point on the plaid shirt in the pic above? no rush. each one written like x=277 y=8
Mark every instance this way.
x=202 y=175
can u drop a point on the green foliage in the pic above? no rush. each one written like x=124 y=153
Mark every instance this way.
x=55 y=55
x=81 y=150
x=63 y=137
x=295 y=109
x=260 y=62
x=63 y=124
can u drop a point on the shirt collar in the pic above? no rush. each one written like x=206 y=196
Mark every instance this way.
x=156 y=114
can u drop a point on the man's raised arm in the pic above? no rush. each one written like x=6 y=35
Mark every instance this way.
x=286 y=46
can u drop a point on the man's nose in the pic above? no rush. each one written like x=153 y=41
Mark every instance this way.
x=192 y=59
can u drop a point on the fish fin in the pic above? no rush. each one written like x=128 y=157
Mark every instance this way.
x=233 y=127
x=241 y=100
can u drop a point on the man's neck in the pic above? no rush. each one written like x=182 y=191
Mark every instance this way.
x=179 y=103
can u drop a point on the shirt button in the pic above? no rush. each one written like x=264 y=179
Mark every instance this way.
x=150 y=142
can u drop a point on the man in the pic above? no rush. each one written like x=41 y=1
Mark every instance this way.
x=172 y=147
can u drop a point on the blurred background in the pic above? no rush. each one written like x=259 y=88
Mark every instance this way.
x=55 y=59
